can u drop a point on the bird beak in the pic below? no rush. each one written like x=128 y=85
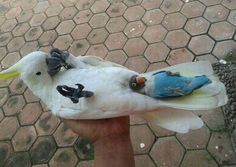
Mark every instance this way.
x=140 y=80
x=11 y=72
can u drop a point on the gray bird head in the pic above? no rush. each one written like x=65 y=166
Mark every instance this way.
x=137 y=82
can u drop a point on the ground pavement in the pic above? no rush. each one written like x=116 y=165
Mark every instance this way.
x=143 y=35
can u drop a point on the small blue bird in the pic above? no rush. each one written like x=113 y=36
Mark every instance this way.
x=165 y=84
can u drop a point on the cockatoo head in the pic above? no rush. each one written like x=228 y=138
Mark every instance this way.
x=32 y=69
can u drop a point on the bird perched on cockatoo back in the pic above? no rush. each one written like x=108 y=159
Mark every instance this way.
x=88 y=87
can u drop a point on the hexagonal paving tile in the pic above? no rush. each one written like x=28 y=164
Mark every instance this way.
x=51 y=23
x=115 y=41
x=159 y=131
x=232 y=17
x=30 y=97
x=42 y=150
x=63 y=42
x=13 y=12
x=156 y=52
x=30 y=4
x=211 y=2
x=84 y=4
x=10 y=59
x=54 y=10
x=217 y=29
x=153 y=17
x=15 y=44
x=167 y=152
x=207 y=57
x=142 y=138
x=171 y=6
x=97 y=50
x=178 y=56
x=191 y=140
x=197 y=26
x=156 y=66
x=33 y=33
x=134 y=29
x=65 y=27
x=193 y=9
x=99 y=20
x=116 y=9
x=202 y=158
x=221 y=149
x=79 y=47
x=40 y=165
x=154 y=33
x=135 y=46
x=46 y=124
x=24 y=16
x=84 y=149
x=20 y=29
x=30 y=114
x=143 y=160
x=5 y=38
x=64 y=136
x=24 y=138
x=174 y=21
x=100 y=6
x=47 y=38
x=97 y=35
x=216 y=13
x=18 y=159
x=198 y=47
x=1 y=116
x=14 y=105
x=151 y=4
x=137 y=63
x=117 y=56
x=134 y=13
x=3 y=52
x=177 y=39
x=37 y=19
x=132 y=3
x=229 y=4
x=68 y=13
x=8 y=25
x=6 y=151
x=41 y=7
x=83 y=16
x=29 y=47
x=8 y=128
x=86 y=164
x=64 y=157
x=224 y=47
x=81 y=31
x=116 y=24
x=137 y=120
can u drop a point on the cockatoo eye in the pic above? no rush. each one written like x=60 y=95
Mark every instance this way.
x=38 y=73
x=134 y=84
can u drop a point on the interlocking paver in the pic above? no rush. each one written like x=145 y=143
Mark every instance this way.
x=115 y=41
x=8 y=25
x=151 y=4
x=4 y=95
x=137 y=63
x=64 y=157
x=24 y=138
x=86 y=164
x=47 y=38
x=197 y=26
x=97 y=35
x=232 y=17
x=8 y=127
x=83 y=16
x=143 y=160
x=116 y=9
x=29 y=47
x=134 y=29
x=18 y=159
x=198 y=158
x=33 y=33
x=41 y=7
x=216 y=30
x=153 y=17
x=171 y=6
x=155 y=33
x=5 y=38
x=167 y=152
x=216 y=13
x=84 y=149
x=13 y=12
x=211 y=2
x=10 y=59
x=142 y=138
x=24 y=16
x=51 y=23
x=1 y=117
x=159 y=131
x=63 y=42
x=81 y=31
x=15 y=44
x=54 y=10
x=79 y=47
x=156 y=52
x=132 y=3
x=198 y=47
x=193 y=9
x=99 y=50
x=207 y=57
x=29 y=97
x=224 y=47
x=65 y=27
x=177 y=39
x=134 y=13
x=17 y=86
x=135 y=46
x=178 y=56
x=116 y=24
x=174 y=21
x=68 y=13
x=229 y=4
x=99 y=20
x=6 y=151
x=84 y=4
x=117 y=56
x=37 y=19
x=100 y=6
x=20 y=29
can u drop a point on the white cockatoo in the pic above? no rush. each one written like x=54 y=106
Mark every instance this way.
x=92 y=88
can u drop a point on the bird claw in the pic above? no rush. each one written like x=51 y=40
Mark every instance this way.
x=73 y=93
x=56 y=61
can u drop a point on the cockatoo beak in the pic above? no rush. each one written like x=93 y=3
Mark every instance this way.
x=140 y=80
x=11 y=72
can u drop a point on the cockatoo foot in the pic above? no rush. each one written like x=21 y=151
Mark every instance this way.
x=74 y=93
